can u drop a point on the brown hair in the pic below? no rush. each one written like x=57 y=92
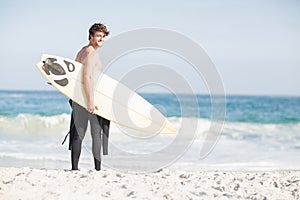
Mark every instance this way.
x=98 y=27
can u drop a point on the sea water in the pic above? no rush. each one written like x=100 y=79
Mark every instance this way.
x=259 y=132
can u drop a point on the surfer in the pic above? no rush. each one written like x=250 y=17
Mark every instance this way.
x=90 y=60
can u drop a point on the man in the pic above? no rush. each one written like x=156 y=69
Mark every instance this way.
x=90 y=60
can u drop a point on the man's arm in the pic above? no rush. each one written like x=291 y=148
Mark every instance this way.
x=88 y=81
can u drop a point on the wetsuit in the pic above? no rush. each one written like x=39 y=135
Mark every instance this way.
x=79 y=119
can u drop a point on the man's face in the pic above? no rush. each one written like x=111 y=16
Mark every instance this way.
x=98 y=38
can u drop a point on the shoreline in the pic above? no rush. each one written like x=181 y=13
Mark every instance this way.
x=32 y=183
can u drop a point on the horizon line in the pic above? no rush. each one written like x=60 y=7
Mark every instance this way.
x=159 y=92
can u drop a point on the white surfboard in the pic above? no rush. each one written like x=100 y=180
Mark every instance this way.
x=113 y=100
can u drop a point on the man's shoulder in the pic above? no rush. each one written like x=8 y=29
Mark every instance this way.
x=85 y=52
x=88 y=50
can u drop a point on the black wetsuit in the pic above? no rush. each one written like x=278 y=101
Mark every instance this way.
x=79 y=119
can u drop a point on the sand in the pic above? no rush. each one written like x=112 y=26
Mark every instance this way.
x=28 y=183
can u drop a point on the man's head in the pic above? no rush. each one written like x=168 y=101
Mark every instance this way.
x=98 y=27
x=97 y=33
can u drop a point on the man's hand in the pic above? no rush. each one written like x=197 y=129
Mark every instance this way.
x=90 y=107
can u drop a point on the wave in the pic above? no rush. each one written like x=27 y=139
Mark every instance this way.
x=31 y=124
x=22 y=140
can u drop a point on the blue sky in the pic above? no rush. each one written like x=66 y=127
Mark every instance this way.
x=255 y=44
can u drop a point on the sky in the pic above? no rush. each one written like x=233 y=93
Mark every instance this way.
x=254 y=44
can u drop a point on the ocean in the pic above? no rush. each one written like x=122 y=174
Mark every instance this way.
x=259 y=133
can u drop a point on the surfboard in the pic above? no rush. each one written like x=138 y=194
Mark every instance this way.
x=113 y=100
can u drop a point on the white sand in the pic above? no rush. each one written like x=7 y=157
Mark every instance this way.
x=27 y=183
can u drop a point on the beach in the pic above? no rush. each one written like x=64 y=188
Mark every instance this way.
x=223 y=74
x=30 y=183
x=255 y=157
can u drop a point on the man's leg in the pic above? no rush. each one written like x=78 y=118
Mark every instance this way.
x=80 y=121
x=96 y=140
